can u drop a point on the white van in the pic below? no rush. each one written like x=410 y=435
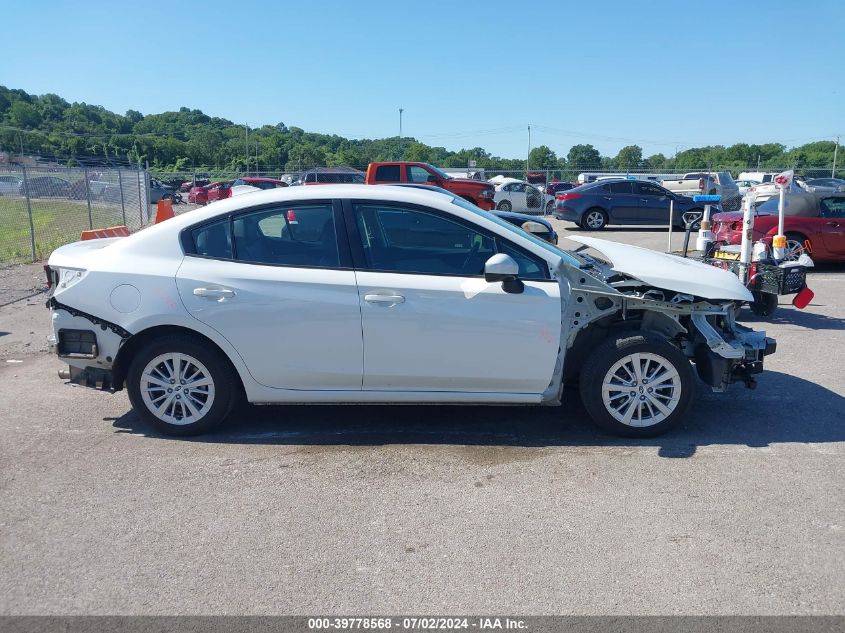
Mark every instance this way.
x=759 y=176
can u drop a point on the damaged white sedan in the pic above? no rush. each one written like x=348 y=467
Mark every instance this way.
x=379 y=294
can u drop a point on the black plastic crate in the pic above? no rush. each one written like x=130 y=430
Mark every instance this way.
x=768 y=278
x=781 y=281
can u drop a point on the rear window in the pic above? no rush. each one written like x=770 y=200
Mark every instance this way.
x=388 y=173
x=213 y=240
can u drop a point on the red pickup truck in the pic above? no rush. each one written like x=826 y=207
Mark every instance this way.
x=479 y=192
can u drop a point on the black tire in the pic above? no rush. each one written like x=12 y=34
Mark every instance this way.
x=589 y=219
x=764 y=304
x=603 y=359
x=504 y=205
x=223 y=378
x=550 y=206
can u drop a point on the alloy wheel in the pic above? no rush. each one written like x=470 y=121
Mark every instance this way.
x=641 y=389
x=177 y=388
x=595 y=220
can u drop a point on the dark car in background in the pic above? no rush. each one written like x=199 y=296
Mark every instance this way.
x=46 y=187
x=554 y=188
x=333 y=176
x=595 y=205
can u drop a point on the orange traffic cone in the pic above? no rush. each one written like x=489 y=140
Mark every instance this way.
x=164 y=210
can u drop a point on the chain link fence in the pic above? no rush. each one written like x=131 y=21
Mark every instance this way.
x=43 y=207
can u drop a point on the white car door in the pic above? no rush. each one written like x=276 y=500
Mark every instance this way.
x=519 y=203
x=430 y=320
x=275 y=283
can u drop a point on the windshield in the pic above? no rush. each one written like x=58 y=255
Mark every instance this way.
x=443 y=175
x=569 y=257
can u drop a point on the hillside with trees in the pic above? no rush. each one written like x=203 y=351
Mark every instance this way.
x=48 y=125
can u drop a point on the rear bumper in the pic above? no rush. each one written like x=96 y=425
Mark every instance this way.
x=565 y=213
x=86 y=343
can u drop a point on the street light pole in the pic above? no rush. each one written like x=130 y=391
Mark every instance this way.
x=246 y=147
x=528 y=156
x=401 y=155
x=835 y=148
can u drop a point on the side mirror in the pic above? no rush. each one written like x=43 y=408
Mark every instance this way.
x=432 y=182
x=503 y=268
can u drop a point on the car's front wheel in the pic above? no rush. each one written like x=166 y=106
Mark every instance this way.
x=180 y=386
x=636 y=385
x=504 y=205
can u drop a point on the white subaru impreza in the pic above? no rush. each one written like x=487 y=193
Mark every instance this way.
x=382 y=294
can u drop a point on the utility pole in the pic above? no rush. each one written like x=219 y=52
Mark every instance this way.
x=528 y=156
x=246 y=147
x=401 y=110
x=256 y=156
x=835 y=148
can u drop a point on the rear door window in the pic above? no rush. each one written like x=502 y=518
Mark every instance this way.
x=621 y=187
x=387 y=173
x=288 y=236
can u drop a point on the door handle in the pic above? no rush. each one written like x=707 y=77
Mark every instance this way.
x=389 y=300
x=643 y=199
x=214 y=293
x=833 y=223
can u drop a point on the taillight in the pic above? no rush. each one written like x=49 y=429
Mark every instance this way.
x=567 y=196
x=701 y=184
x=735 y=226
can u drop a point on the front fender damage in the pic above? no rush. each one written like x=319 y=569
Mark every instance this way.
x=706 y=331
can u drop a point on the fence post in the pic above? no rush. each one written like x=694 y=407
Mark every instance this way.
x=140 y=197
x=88 y=196
x=122 y=203
x=29 y=212
x=147 y=187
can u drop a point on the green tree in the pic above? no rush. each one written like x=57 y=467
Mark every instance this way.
x=629 y=157
x=542 y=157
x=24 y=115
x=583 y=157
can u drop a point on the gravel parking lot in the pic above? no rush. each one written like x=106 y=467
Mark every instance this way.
x=359 y=509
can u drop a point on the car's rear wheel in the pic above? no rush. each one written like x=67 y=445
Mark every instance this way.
x=594 y=220
x=636 y=385
x=550 y=206
x=180 y=386
x=504 y=205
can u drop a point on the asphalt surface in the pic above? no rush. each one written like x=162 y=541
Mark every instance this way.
x=329 y=509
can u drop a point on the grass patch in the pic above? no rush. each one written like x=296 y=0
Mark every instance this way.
x=56 y=222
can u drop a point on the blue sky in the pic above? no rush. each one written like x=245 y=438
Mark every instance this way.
x=660 y=74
